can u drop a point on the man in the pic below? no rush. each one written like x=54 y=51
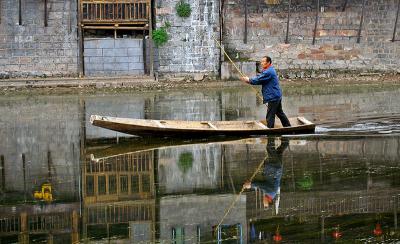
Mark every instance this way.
x=269 y=186
x=271 y=91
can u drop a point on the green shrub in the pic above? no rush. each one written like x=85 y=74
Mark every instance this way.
x=160 y=36
x=183 y=9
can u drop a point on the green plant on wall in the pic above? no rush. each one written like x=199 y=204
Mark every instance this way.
x=160 y=36
x=185 y=162
x=183 y=9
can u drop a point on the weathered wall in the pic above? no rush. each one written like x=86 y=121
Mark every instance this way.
x=31 y=49
x=110 y=57
x=47 y=131
x=336 y=44
x=204 y=212
x=191 y=47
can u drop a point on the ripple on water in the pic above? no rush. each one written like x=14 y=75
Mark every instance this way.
x=381 y=125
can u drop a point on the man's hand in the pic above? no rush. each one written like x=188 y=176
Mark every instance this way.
x=247 y=185
x=245 y=79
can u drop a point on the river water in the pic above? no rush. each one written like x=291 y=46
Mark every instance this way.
x=65 y=181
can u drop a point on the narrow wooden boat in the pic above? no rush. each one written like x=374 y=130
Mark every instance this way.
x=177 y=128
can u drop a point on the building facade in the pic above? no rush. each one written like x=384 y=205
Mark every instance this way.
x=68 y=38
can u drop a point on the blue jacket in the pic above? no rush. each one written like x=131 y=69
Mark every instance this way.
x=272 y=180
x=270 y=90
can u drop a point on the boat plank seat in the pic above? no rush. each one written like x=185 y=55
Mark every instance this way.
x=209 y=124
x=304 y=120
x=160 y=123
x=261 y=125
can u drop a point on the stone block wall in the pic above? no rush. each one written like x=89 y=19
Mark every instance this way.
x=191 y=47
x=336 y=46
x=31 y=49
x=110 y=57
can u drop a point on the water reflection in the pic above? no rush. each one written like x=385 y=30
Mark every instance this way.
x=181 y=193
x=269 y=187
x=62 y=183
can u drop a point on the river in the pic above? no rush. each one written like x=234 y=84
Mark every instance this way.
x=66 y=181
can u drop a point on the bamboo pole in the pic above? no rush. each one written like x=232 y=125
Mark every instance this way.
x=237 y=69
x=223 y=50
x=240 y=193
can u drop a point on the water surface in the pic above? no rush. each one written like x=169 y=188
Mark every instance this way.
x=340 y=184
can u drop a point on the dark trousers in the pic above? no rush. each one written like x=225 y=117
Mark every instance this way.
x=275 y=108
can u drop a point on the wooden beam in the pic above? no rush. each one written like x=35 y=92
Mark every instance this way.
x=361 y=21
x=45 y=14
x=287 y=24
x=70 y=17
x=316 y=23
x=344 y=6
x=395 y=204
x=245 y=21
x=395 y=22
x=24 y=175
x=102 y=27
x=3 y=173
x=19 y=12
x=81 y=69
x=150 y=13
x=144 y=52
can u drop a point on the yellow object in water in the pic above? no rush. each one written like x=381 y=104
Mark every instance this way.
x=45 y=193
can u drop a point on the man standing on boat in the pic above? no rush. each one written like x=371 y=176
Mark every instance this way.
x=271 y=91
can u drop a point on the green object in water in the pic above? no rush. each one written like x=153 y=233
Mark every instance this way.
x=185 y=161
x=306 y=183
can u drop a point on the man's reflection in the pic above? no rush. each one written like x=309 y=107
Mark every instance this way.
x=270 y=185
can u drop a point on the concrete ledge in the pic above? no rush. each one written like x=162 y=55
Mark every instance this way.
x=98 y=82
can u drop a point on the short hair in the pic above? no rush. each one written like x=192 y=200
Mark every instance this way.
x=268 y=58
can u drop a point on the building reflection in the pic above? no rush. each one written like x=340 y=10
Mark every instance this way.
x=119 y=198
x=53 y=223
x=329 y=189
x=325 y=185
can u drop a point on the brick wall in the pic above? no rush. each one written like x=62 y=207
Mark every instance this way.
x=31 y=49
x=109 y=56
x=191 y=47
x=336 y=44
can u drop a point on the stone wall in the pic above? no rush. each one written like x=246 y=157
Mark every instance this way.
x=191 y=47
x=31 y=49
x=336 y=44
x=110 y=57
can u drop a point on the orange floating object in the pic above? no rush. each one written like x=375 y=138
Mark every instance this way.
x=378 y=230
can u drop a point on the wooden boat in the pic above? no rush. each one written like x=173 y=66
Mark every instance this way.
x=176 y=128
